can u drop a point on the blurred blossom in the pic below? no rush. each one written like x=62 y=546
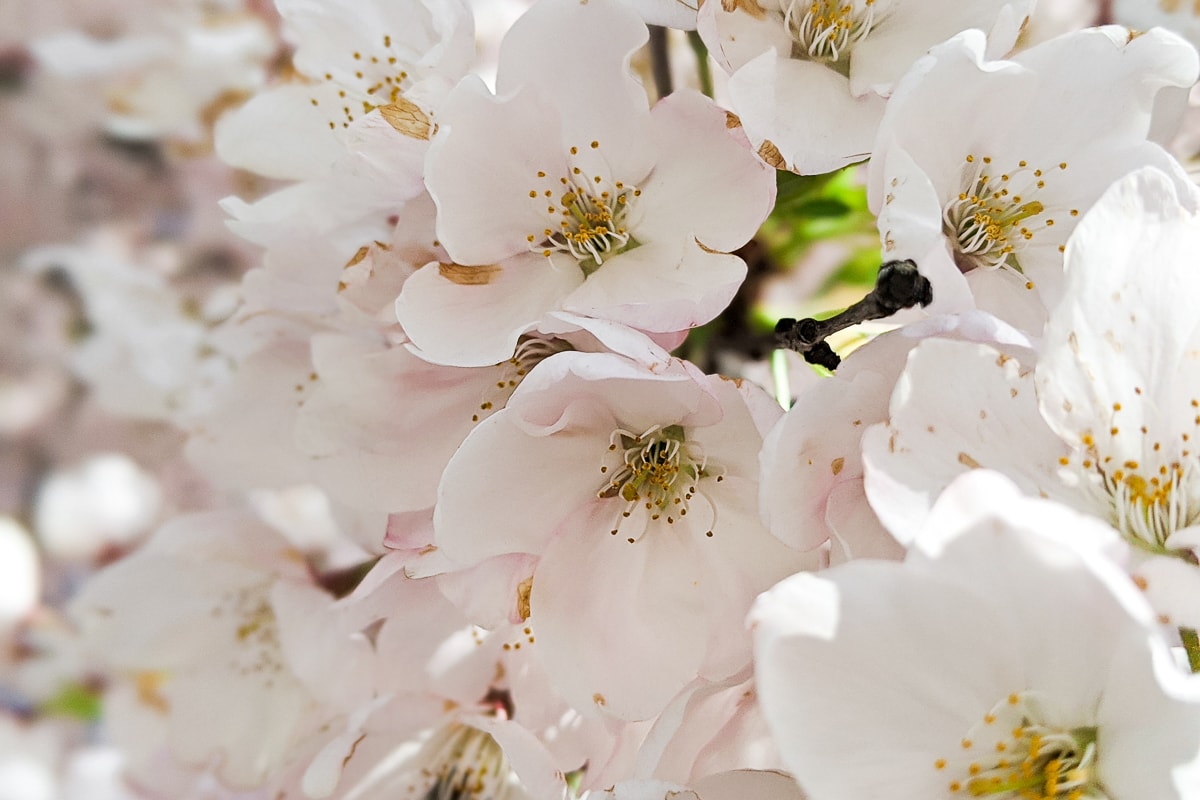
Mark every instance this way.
x=20 y=574
x=106 y=500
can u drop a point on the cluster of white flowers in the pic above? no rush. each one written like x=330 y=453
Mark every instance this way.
x=469 y=471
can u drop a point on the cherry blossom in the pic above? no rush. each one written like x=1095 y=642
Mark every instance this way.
x=215 y=653
x=645 y=476
x=985 y=201
x=550 y=197
x=1104 y=421
x=1006 y=655
x=837 y=60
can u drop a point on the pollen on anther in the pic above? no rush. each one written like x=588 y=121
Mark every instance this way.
x=709 y=534
x=955 y=786
x=595 y=145
x=574 y=151
x=966 y=744
x=940 y=764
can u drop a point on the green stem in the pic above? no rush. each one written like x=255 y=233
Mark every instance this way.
x=1191 y=644
x=703 y=71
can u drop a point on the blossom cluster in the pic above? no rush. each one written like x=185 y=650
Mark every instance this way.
x=423 y=435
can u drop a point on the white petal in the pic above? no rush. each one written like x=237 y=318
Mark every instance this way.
x=473 y=316
x=766 y=92
x=987 y=416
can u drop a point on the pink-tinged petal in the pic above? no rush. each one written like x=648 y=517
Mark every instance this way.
x=488 y=593
x=645 y=789
x=1136 y=67
x=660 y=287
x=280 y=133
x=334 y=664
x=854 y=529
x=578 y=55
x=473 y=316
x=505 y=491
x=484 y=165
x=526 y=753
x=883 y=56
x=742 y=783
x=985 y=417
x=247 y=722
x=814 y=448
x=424 y=34
x=610 y=335
x=766 y=94
x=599 y=392
x=737 y=563
x=738 y=36
x=247 y=442
x=364 y=452
x=707 y=183
x=598 y=595
x=749 y=413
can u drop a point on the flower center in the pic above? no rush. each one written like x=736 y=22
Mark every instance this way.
x=1146 y=500
x=466 y=762
x=531 y=351
x=657 y=474
x=373 y=80
x=824 y=30
x=997 y=214
x=586 y=215
x=1013 y=755
x=256 y=632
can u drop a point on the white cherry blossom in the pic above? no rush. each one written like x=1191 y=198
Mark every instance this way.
x=810 y=79
x=1007 y=657
x=1106 y=421
x=983 y=168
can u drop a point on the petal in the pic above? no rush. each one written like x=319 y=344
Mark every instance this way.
x=596 y=595
x=505 y=491
x=473 y=316
x=1121 y=352
x=280 y=133
x=579 y=54
x=766 y=92
x=1172 y=587
x=660 y=287
x=987 y=417
x=813 y=449
x=706 y=183
x=483 y=171
x=887 y=52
